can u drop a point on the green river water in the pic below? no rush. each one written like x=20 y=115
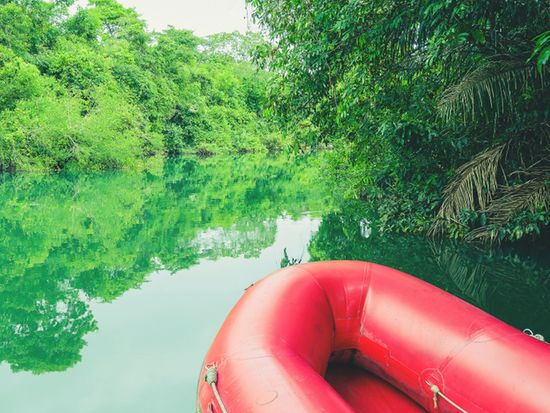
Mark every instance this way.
x=113 y=285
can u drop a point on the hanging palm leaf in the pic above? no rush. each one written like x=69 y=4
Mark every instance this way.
x=473 y=187
x=489 y=91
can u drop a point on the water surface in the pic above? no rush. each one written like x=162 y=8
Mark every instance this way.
x=112 y=285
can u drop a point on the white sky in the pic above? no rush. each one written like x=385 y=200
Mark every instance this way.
x=204 y=17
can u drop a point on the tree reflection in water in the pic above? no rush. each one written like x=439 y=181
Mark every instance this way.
x=72 y=239
x=68 y=239
x=513 y=286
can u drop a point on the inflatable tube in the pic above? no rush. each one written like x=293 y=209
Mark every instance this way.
x=394 y=340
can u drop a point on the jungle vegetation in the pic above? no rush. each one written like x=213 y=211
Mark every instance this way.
x=93 y=89
x=437 y=112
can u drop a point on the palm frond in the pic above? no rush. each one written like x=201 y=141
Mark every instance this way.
x=533 y=195
x=472 y=188
x=489 y=90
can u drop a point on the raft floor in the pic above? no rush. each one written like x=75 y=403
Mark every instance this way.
x=367 y=393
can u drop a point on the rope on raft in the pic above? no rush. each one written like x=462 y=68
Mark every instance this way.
x=530 y=332
x=211 y=377
x=437 y=393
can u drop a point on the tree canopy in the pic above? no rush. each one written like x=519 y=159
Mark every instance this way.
x=96 y=90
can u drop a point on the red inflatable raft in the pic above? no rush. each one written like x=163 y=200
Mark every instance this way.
x=358 y=337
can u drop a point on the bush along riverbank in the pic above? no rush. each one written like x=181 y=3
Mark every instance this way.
x=95 y=90
x=437 y=112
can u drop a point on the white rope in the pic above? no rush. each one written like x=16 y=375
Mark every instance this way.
x=530 y=332
x=437 y=393
x=211 y=378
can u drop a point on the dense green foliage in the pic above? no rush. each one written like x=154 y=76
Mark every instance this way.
x=95 y=90
x=71 y=238
x=438 y=111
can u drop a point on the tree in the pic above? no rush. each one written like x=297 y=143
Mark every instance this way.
x=18 y=79
x=119 y=22
x=15 y=28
